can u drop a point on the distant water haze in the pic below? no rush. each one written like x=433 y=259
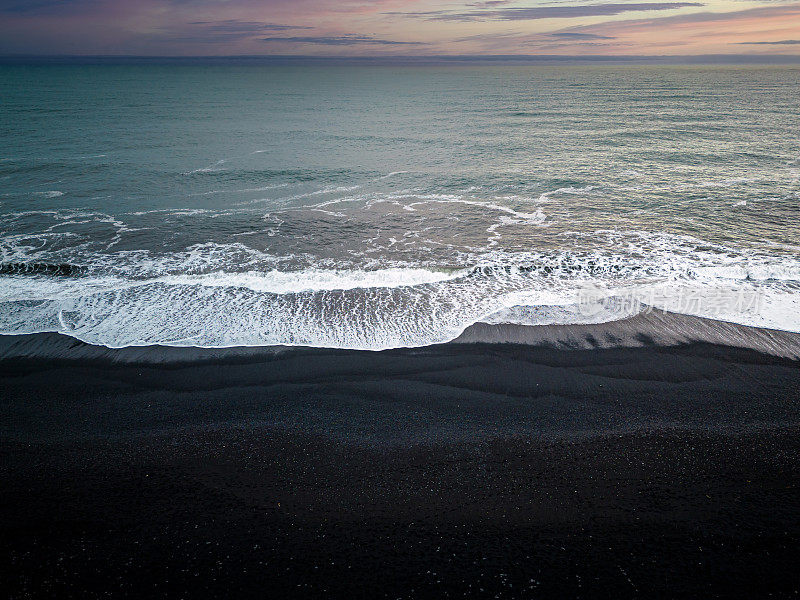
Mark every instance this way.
x=376 y=207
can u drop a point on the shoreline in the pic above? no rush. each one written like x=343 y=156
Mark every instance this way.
x=654 y=328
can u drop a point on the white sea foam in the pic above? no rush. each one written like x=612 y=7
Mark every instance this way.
x=392 y=174
x=534 y=218
x=314 y=280
x=545 y=197
x=230 y=294
x=377 y=309
x=263 y=188
x=212 y=168
x=602 y=311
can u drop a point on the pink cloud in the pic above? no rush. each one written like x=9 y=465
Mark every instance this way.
x=204 y=27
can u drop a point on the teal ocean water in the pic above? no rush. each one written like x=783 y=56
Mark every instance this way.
x=385 y=206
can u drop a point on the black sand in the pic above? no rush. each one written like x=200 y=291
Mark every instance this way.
x=477 y=470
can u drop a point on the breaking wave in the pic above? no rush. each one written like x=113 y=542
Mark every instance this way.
x=173 y=302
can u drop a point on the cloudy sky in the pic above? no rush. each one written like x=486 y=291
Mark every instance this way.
x=398 y=27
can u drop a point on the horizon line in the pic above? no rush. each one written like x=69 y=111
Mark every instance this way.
x=692 y=58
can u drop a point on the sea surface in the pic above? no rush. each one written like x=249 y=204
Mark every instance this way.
x=389 y=206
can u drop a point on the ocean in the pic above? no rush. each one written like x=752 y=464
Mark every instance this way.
x=374 y=207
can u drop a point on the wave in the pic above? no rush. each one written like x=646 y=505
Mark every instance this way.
x=219 y=295
x=316 y=280
x=384 y=308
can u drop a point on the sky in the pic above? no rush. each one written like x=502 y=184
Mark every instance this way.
x=398 y=27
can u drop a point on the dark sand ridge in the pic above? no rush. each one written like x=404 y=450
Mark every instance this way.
x=651 y=328
x=666 y=466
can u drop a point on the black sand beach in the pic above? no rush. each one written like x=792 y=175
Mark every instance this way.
x=635 y=459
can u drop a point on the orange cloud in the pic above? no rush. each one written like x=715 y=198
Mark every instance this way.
x=703 y=32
